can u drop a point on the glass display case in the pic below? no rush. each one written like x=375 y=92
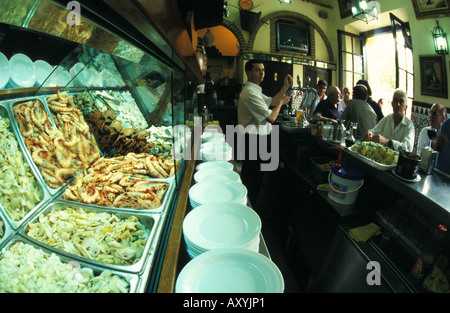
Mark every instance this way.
x=88 y=100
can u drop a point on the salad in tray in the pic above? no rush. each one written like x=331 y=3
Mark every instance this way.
x=380 y=155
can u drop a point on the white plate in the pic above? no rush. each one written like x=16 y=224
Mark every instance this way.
x=226 y=191
x=212 y=136
x=216 y=174
x=80 y=74
x=23 y=71
x=4 y=70
x=43 y=71
x=215 y=164
x=216 y=151
x=230 y=271
x=64 y=77
x=94 y=80
x=221 y=225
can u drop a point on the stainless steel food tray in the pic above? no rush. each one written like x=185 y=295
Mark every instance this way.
x=132 y=279
x=162 y=208
x=368 y=161
x=149 y=221
x=45 y=195
x=10 y=105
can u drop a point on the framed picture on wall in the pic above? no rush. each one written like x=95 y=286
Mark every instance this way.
x=345 y=8
x=433 y=77
x=431 y=8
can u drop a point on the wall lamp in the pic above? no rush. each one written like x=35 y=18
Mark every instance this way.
x=439 y=39
x=365 y=10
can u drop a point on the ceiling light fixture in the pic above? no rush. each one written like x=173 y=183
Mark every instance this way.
x=285 y=1
x=365 y=10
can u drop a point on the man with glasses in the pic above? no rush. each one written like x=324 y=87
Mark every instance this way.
x=437 y=115
x=394 y=130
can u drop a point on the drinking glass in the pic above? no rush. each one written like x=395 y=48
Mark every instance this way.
x=299 y=117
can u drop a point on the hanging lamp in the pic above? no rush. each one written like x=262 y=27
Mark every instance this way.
x=439 y=39
x=365 y=10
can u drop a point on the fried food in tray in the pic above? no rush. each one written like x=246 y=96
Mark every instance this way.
x=122 y=182
x=58 y=151
x=113 y=139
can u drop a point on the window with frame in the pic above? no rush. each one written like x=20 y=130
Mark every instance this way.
x=386 y=68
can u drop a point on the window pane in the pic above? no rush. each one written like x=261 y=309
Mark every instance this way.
x=348 y=62
x=402 y=80
x=359 y=68
x=410 y=90
x=347 y=80
x=400 y=38
x=358 y=77
x=401 y=57
x=409 y=60
x=347 y=43
x=357 y=46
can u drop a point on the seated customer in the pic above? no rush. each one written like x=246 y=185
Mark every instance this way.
x=359 y=111
x=394 y=130
x=442 y=145
x=375 y=105
x=330 y=108
x=437 y=115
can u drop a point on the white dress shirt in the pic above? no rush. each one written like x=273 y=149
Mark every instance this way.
x=253 y=109
x=402 y=135
x=423 y=140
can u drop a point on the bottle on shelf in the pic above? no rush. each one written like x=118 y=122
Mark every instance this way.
x=350 y=138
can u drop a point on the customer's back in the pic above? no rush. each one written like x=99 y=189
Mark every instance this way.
x=359 y=111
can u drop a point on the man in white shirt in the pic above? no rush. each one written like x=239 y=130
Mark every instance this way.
x=359 y=111
x=256 y=113
x=394 y=130
x=254 y=106
x=345 y=97
x=437 y=115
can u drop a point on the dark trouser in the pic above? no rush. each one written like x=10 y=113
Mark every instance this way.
x=251 y=174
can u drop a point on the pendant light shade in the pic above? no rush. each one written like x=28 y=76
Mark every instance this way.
x=365 y=10
x=440 y=40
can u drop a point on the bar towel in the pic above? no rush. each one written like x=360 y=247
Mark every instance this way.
x=363 y=233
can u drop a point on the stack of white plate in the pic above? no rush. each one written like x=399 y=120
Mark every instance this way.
x=80 y=74
x=216 y=151
x=217 y=191
x=221 y=225
x=212 y=136
x=4 y=70
x=216 y=174
x=231 y=270
x=43 y=71
x=215 y=164
x=22 y=70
